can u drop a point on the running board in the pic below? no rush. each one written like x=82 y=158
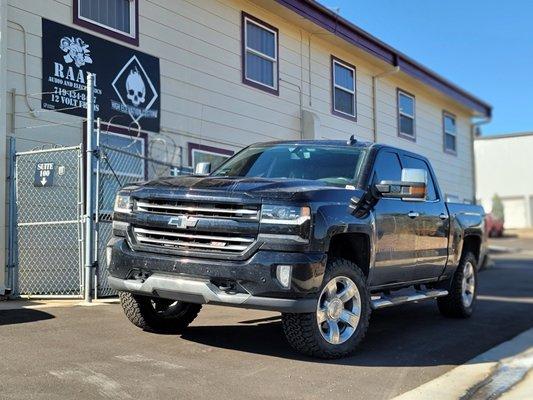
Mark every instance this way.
x=388 y=301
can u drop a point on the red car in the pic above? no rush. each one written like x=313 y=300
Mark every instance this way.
x=493 y=226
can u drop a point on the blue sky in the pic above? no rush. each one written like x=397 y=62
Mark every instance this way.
x=486 y=47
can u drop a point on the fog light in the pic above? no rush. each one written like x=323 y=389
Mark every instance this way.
x=283 y=274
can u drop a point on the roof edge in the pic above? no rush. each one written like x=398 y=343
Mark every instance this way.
x=346 y=30
x=504 y=136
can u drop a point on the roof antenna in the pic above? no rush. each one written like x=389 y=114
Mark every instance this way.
x=351 y=141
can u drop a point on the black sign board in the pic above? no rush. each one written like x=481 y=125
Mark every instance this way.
x=127 y=86
x=44 y=174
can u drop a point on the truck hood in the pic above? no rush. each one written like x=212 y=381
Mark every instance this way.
x=237 y=187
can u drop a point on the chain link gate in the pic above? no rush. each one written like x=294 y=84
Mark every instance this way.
x=116 y=168
x=49 y=227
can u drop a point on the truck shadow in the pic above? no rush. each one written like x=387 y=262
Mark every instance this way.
x=22 y=316
x=408 y=335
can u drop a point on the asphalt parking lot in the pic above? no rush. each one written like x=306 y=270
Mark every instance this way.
x=95 y=353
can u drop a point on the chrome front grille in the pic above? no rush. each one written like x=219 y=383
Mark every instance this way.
x=214 y=210
x=174 y=240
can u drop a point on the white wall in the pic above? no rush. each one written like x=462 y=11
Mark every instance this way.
x=504 y=166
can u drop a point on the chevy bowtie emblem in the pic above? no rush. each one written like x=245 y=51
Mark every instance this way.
x=183 y=222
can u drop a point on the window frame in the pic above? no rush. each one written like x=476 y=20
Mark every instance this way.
x=401 y=134
x=201 y=148
x=245 y=19
x=131 y=38
x=444 y=132
x=334 y=111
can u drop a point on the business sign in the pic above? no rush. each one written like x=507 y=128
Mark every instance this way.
x=127 y=86
x=44 y=174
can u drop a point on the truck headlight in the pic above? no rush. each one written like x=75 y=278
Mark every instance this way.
x=284 y=215
x=123 y=204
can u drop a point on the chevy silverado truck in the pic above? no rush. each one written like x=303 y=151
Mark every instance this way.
x=323 y=232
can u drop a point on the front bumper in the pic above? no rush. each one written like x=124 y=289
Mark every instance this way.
x=250 y=283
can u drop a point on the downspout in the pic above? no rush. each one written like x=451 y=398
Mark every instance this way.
x=375 y=80
x=473 y=126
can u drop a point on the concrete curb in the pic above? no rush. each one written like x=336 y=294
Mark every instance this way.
x=470 y=380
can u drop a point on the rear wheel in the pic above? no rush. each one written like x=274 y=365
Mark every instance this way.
x=158 y=315
x=459 y=303
x=341 y=318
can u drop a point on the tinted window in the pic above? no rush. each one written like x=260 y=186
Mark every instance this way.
x=330 y=164
x=411 y=162
x=387 y=167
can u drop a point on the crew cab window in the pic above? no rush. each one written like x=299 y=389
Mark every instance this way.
x=412 y=162
x=387 y=167
x=332 y=165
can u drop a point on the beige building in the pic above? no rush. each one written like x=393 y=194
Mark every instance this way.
x=504 y=168
x=231 y=73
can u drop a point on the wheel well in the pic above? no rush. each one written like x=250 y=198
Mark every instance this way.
x=354 y=247
x=472 y=244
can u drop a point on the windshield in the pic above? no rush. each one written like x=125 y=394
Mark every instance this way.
x=335 y=165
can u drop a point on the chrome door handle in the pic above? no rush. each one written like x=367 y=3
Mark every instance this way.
x=413 y=214
x=443 y=216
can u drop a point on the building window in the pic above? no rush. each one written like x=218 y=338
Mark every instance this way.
x=201 y=153
x=343 y=81
x=126 y=163
x=260 y=54
x=406 y=115
x=450 y=133
x=116 y=18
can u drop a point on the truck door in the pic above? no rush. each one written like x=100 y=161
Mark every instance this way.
x=396 y=231
x=432 y=225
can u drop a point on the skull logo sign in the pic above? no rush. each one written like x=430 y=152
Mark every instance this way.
x=135 y=87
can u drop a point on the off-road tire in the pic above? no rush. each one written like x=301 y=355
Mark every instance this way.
x=141 y=313
x=302 y=331
x=452 y=305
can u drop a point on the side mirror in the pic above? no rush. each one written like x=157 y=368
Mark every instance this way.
x=412 y=186
x=202 y=168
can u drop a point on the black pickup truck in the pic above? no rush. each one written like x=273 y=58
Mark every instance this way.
x=322 y=231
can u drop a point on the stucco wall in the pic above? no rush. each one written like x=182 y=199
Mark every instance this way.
x=503 y=167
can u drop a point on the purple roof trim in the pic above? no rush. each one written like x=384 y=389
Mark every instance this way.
x=344 y=29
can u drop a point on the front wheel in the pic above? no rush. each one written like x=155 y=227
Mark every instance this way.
x=158 y=315
x=341 y=318
x=459 y=303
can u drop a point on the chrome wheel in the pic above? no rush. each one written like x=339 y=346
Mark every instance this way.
x=338 y=310
x=468 y=284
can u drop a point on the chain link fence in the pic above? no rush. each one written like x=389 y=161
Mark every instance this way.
x=47 y=253
x=116 y=168
x=48 y=229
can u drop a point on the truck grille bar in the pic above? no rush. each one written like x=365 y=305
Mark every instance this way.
x=186 y=241
x=219 y=210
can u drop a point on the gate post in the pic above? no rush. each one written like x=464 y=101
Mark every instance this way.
x=11 y=279
x=89 y=201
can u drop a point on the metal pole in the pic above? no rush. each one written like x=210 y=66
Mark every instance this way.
x=89 y=222
x=97 y=209
x=12 y=233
